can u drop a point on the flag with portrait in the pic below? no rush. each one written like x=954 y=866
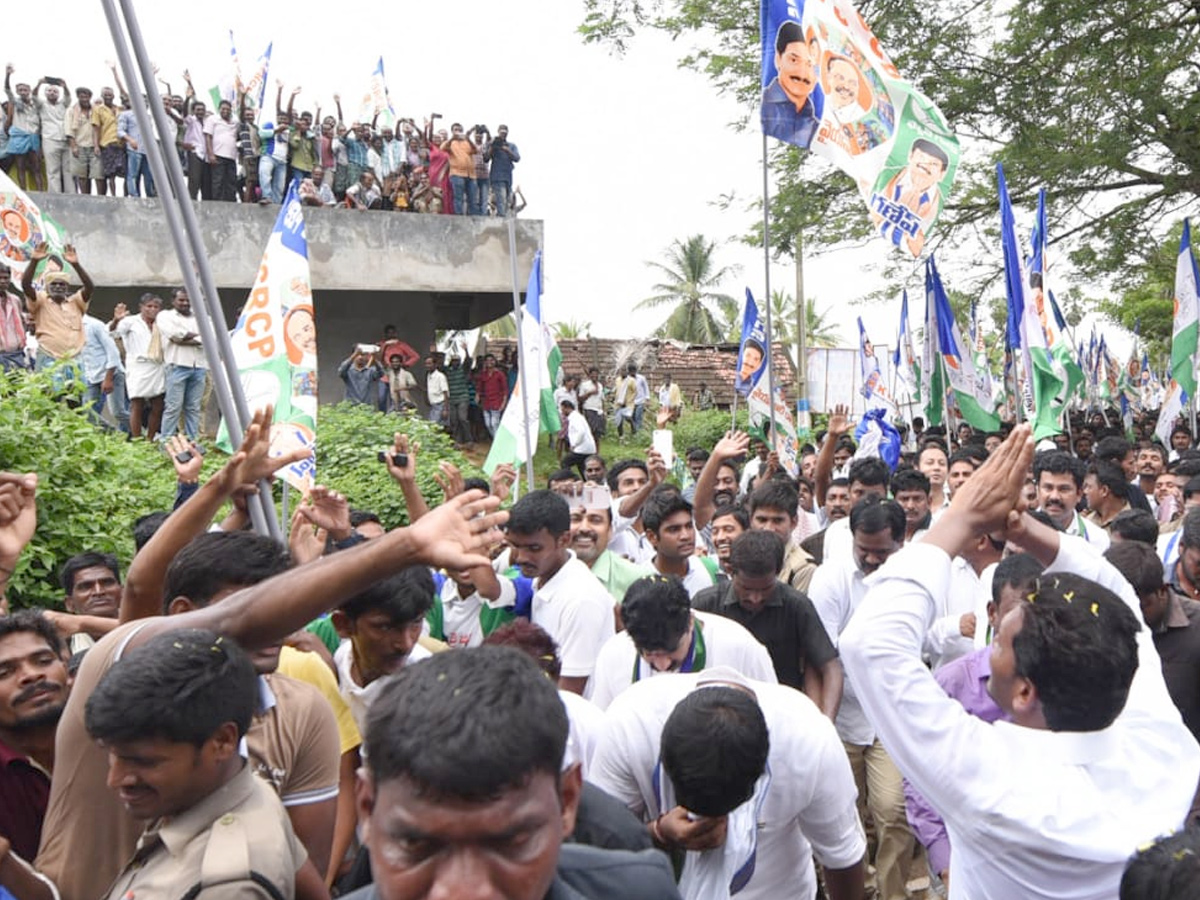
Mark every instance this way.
x=829 y=86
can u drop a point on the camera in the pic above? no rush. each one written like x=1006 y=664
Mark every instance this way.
x=399 y=460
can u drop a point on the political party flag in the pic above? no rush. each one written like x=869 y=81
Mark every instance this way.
x=829 y=87
x=933 y=378
x=1172 y=406
x=752 y=354
x=1054 y=326
x=255 y=87
x=275 y=344
x=873 y=387
x=541 y=361
x=381 y=101
x=24 y=227
x=229 y=85
x=983 y=374
x=784 y=441
x=974 y=405
x=904 y=360
x=1044 y=391
x=1187 y=312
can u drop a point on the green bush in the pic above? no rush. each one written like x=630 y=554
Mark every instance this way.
x=349 y=438
x=92 y=484
x=704 y=429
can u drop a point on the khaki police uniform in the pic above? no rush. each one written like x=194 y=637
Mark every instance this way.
x=235 y=843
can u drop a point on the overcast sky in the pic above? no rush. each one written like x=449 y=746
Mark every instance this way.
x=620 y=155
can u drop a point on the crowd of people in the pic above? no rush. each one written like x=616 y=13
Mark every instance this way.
x=975 y=670
x=239 y=153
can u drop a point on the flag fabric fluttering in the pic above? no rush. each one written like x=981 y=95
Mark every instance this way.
x=752 y=353
x=25 y=226
x=974 y=406
x=1044 y=391
x=933 y=379
x=1184 y=334
x=255 y=87
x=229 y=85
x=904 y=360
x=1054 y=325
x=540 y=361
x=873 y=388
x=275 y=344
x=829 y=87
x=985 y=386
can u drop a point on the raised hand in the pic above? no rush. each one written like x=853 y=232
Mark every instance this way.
x=186 y=458
x=41 y=251
x=994 y=496
x=18 y=515
x=734 y=443
x=839 y=421
x=305 y=543
x=329 y=510
x=256 y=444
x=657 y=467
x=406 y=472
x=456 y=534
x=69 y=254
x=504 y=476
x=449 y=479
x=120 y=311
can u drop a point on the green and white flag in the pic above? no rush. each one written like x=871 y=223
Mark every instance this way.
x=1184 y=333
x=540 y=361
x=973 y=399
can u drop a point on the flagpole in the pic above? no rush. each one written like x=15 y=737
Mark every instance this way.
x=767 y=288
x=511 y=221
x=184 y=229
x=733 y=415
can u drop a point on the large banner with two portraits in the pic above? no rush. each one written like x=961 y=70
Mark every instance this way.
x=829 y=87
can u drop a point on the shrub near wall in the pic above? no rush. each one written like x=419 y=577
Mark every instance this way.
x=349 y=438
x=92 y=484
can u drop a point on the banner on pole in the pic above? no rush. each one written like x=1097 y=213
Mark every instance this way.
x=24 y=227
x=829 y=87
x=752 y=355
x=275 y=344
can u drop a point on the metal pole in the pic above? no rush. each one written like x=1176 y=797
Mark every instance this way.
x=511 y=221
x=803 y=416
x=733 y=415
x=193 y=261
x=767 y=288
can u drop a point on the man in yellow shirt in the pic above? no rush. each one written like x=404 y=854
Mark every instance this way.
x=106 y=142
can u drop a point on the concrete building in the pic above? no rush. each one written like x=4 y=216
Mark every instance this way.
x=369 y=269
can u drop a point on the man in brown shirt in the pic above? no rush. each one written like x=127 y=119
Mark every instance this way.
x=57 y=313
x=462 y=166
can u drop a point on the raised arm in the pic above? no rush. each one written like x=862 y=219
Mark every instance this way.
x=839 y=424
x=406 y=476
x=39 y=253
x=72 y=258
x=657 y=466
x=732 y=445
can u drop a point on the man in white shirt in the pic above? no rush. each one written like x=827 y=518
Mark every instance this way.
x=580 y=443
x=1059 y=479
x=631 y=482
x=837 y=589
x=437 y=388
x=640 y=397
x=1096 y=761
x=663 y=635
x=220 y=144
x=380 y=630
x=143 y=376
x=667 y=518
x=568 y=601
x=591 y=397
x=869 y=475
x=747 y=777
x=185 y=367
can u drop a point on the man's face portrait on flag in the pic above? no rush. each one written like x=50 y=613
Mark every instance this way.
x=796 y=62
x=752 y=358
x=925 y=166
x=844 y=86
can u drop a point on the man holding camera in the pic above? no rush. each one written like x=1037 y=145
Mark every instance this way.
x=503 y=156
x=462 y=166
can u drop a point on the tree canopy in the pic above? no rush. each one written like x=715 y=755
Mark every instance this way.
x=692 y=279
x=1096 y=103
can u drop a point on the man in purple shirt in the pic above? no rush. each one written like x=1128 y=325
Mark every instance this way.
x=965 y=679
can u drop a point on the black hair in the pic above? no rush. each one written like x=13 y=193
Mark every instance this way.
x=180 y=686
x=714 y=749
x=697 y=454
x=967 y=455
x=1042 y=516
x=775 y=494
x=614 y=474
x=561 y=475
x=476 y=483
x=1018 y=571
x=910 y=480
x=405 y=596
x=1112 y=449
x=86 y=560
x=1168 y=869
x=538 y=510
x=870 y=471
x=217 y=560
x=1192 y=487
x=1059 y=462
x=932 y=443
x=31 y=621
x=873 y=514
x=362 y=517
x=1111 y=476
x=1078 y=645
x=789 y=33
x=598 y=458
x=661 y=505
x=732 y=509
x=1139 y=563
x=656 y=611
x=1135 y=525
x=146 y=527
x=532 y=640
x=756 y=553
x=730 y=464
x=926 y=146
x=1189 y=530
x=838 y=482
x=494 y=717
x=1189 y=467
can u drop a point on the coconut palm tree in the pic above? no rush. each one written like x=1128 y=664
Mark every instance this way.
x=819 y=331
x=572 y=328
x=503 y=327
x=691 y=284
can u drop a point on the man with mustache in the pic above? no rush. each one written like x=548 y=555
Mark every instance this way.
x=33 y=692
x=590 y=533
x=792 y=103
x=1059 y=479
